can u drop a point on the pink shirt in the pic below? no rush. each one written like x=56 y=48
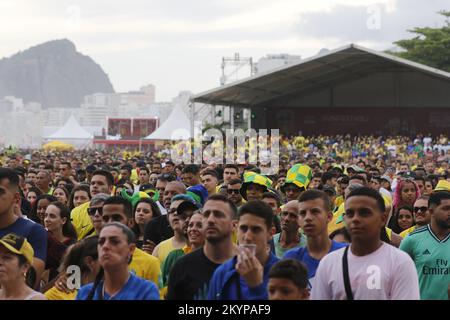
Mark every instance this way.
x=386 y=274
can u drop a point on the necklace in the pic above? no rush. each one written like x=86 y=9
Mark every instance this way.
x=102 y=294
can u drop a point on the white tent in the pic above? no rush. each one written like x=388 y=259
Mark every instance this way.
x=72 y=133
x=176 y=127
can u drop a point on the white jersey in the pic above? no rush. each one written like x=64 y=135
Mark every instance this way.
x=386 y=274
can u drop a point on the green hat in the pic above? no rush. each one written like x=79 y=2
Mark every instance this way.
x=135 y=197
x=253 y=177
x=299 y=175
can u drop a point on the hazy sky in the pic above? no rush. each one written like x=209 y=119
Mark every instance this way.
x=179 y=44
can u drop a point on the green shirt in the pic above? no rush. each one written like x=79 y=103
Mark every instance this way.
x=432 y=259
x=173 y=256
x=279 y=250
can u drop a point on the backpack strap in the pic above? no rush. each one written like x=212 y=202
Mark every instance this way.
x=348 y=288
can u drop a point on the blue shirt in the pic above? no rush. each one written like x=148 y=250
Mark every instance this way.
x=33 y=232
x=135 y=289
x=227 y=284
x=302 y=255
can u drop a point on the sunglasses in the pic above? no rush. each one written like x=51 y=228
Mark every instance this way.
x=422 y=209
x=173 y=210
x=93 y=210
x=231 y=191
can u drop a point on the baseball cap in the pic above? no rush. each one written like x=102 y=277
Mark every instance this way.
x=387 y=178
x=355 y=168
x=18 y=245
x=198 y=193
x=188 y=203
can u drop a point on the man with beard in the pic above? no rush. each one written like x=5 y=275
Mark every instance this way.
x=189 y=277
x=233 y=193
x=429 y=247
x=290 y=236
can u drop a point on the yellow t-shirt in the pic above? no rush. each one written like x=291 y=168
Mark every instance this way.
x=339 y=200
x=55 y=294
x=81 y=220
x=146 y=266
x=404 y=233
x=164 y=248
x=389 y=232
x=134 y=176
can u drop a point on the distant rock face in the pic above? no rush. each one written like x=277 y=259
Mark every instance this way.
x=52 y=73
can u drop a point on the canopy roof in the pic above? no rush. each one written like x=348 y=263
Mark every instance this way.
x=176 y=127
x=342 y=65
x=71 y=130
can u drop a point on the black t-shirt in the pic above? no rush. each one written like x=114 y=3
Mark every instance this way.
x=158 y=230
x=189 y=277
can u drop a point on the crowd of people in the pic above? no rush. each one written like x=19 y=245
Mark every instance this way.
x=344 y=217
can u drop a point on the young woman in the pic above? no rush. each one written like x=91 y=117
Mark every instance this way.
x=65 y=183
x=84 y=255
x=61 y=234
x=405 y=219
x=32 y=195
x=428 y=187
x=114 y=281
x=80 y=194
x=16 y=259
x=405 y=194
x=61 y=194
x=41 y=204
x=28 y=184
x=145 y=210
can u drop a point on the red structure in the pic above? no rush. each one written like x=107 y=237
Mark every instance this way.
x=127 y=132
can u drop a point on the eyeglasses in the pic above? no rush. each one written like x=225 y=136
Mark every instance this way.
x=422 y=209
x=93 y=210
x=231 y=191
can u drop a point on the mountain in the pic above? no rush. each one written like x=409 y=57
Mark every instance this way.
x=52 y=73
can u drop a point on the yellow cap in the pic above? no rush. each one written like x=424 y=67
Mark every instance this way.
x=18 y=245
x=443 y=185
